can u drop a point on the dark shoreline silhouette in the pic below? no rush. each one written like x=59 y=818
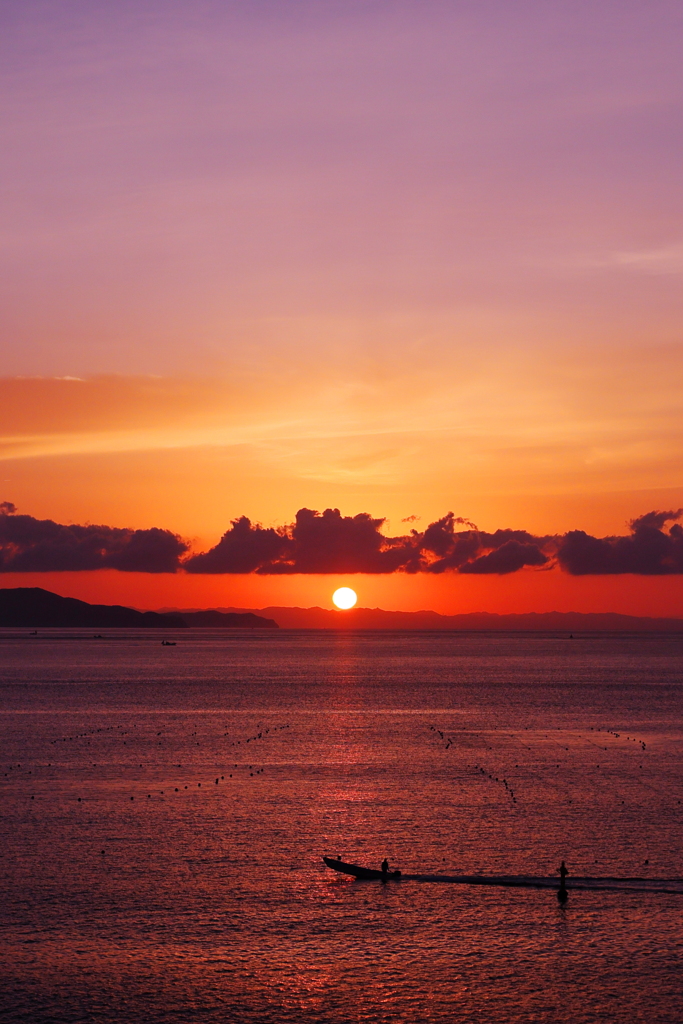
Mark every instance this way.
x=34 y=607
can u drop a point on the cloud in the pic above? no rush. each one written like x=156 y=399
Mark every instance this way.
x=655 y=520
x=509 y=557
x=243 y=548
x=648 y=551
x=328 y=542
x=440 y=547
x=40 y=545
x=344 y=544
x=667 y=260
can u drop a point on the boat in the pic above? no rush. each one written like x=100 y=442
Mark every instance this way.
x=643 y=885
x=359 y=872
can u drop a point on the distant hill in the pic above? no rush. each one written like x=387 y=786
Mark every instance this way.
x=34 y=607
x=227 y=620
x=376 y=618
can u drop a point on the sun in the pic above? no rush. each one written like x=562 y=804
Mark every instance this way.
x=345 y=598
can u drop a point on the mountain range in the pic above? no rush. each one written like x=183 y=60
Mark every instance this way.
x=377 y=618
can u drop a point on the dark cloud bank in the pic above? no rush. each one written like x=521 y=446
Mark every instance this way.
x=39 y=545
x=331 y=543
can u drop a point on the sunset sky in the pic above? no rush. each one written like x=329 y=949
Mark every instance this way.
x=395 y=258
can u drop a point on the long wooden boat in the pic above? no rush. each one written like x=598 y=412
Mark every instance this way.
x=642 y=885
x=359 y=872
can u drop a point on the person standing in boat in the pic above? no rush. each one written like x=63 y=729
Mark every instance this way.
x=563 y=875
x=385 y=866
x=562 y=891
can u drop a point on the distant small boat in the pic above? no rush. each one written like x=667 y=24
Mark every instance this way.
x=168 y=643
x=359 y=872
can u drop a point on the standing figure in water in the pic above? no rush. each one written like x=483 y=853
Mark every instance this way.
x=562 y=891
x=385 y=866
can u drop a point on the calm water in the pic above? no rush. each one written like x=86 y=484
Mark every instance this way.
x=137 y=888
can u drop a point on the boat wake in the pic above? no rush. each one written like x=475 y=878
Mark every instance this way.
x=658 y=885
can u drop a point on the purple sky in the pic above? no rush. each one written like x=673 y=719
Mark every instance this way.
x=196 y=178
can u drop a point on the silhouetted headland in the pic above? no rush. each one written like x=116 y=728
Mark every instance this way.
x=35 y=607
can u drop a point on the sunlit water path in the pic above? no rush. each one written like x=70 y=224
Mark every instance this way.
x=165 y=809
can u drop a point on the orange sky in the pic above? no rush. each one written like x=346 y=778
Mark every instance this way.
x=449 y=594
x=397 y=260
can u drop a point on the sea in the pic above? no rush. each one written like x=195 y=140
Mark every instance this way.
x=165 y=811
